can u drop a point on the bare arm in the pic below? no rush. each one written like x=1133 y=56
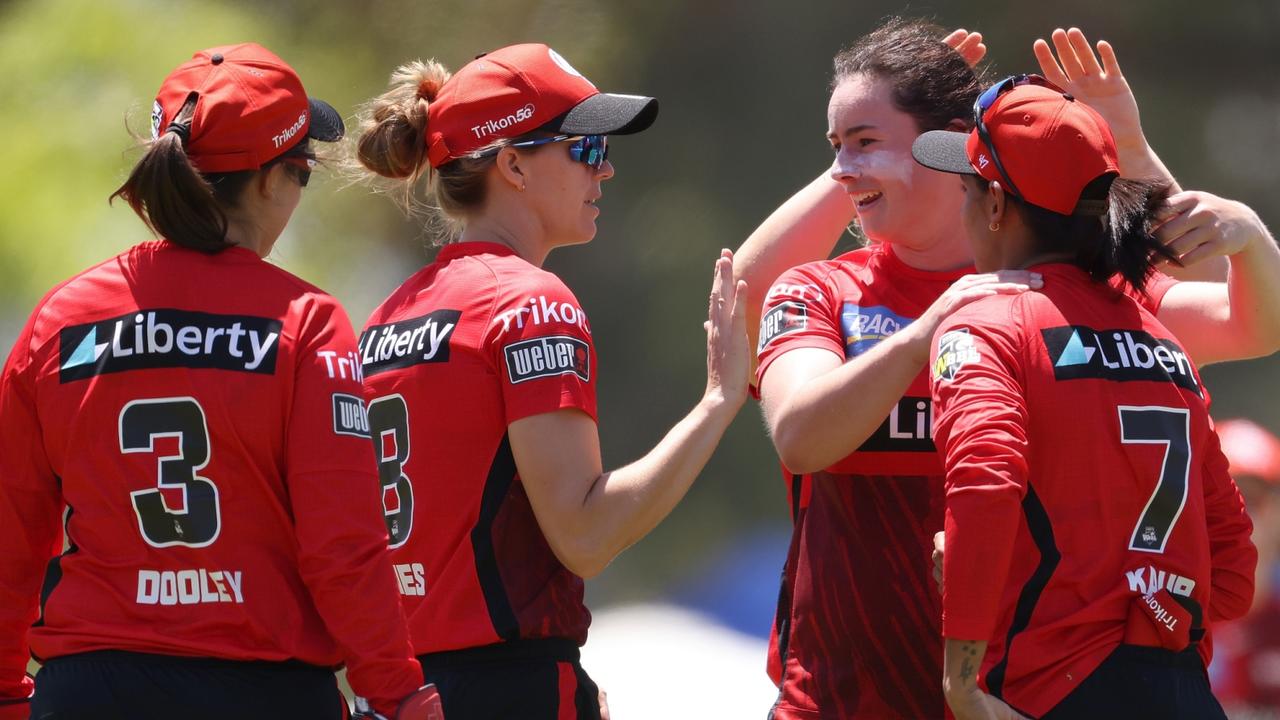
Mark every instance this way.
x=1218 y=321
x=820 y=409
x=960 y=661
x=803 y=229
x=589 y=516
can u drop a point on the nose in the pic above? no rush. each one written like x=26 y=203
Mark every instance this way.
x=606 y=170
x=844 y=171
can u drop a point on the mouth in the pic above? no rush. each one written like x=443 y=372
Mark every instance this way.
x=863 y=200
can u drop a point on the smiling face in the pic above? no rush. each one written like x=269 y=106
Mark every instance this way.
x=563 y=192
x=897 y=200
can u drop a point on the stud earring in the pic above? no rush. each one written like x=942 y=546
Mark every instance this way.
x=993 y=226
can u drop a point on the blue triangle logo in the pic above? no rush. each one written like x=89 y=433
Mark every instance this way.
x=1075 y=353
x=87 y=352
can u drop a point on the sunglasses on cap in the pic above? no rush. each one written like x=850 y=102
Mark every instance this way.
x=590 y=150
x=984 y=103
x=302 y=164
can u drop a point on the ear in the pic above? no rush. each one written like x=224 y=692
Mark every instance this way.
x=511 y=169
x=998 y=202
x=270 y=182
x=957 y=125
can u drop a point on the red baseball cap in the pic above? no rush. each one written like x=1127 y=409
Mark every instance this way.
x=1051 y=145
x=250 y=108
x=511 y=91
x=1251 y=449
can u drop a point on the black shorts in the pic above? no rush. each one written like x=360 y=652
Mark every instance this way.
x=1143 y=682
x=520 y=680
x=111 y=684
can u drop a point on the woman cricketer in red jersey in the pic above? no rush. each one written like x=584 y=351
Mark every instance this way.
x=481 y=373
x=177 y=406
x=843 y=345
x=1093 y=531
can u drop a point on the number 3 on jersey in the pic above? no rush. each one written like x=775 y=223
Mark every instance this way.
x=389 y=425
x=1169 y=427
x=198 y=520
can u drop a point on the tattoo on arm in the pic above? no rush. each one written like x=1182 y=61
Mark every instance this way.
x=968 y=672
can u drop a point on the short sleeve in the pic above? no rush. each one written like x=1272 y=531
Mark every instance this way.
x=981 y=433
x=539 y=343
x=801 y=310
x=1153 y=292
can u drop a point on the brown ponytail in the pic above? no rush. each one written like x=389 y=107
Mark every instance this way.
x=174 y=200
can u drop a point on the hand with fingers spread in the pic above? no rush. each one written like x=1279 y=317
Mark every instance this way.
x=1197 y=226
x=966 y=290
x=728 y=355
x=968 y=44
x=1102 y=86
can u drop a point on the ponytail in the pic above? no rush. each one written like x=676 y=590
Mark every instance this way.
x=171 y=196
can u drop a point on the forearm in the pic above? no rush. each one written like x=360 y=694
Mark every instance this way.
x=1254 y=290
x=625 y=504
x=803 y=229
x=961 y=660
x=830 y=416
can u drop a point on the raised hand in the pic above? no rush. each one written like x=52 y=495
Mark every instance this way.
x=728 y=355
x=1197 y=226
x=968 y=44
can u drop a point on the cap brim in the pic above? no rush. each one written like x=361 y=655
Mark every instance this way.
x=943 y=150
x=608 y=114
x=326 y=123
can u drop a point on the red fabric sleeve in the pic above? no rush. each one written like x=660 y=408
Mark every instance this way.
x=342 y=537
x=1153 y=292
x=800 y=311
x=30 y=514
x=1233 y=557
x=981 y=432
x=539 y=344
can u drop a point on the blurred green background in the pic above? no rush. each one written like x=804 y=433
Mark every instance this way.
x=743 y=87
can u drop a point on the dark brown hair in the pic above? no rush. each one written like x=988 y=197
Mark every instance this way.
x=931 y=82
x=175 y=200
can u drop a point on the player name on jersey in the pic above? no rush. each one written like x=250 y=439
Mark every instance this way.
x=165 y=338
x=405 y=343
x=1080 y=352
x=190 y=587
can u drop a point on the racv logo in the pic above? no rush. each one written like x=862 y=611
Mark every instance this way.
x=164 y=338
x=865 y=327
x=1083 y=353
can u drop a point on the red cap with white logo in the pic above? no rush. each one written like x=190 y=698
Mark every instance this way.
x=1052 y=146
x=517 y=89
x=250 y=108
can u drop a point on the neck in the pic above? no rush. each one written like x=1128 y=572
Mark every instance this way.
x=249 y=236
x=511 y=233
x=947 y=252
x=1041 y=258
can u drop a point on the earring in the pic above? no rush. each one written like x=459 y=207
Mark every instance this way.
x=522 y=186
x=993 y=226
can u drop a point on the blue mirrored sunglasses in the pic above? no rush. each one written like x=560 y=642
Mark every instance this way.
x=590 y=150
x=984 y=103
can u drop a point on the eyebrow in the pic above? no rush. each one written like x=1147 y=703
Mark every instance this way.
x=850 y=131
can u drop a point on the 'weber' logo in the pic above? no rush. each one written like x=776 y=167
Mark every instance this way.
x=548 y=356
x=349 y=417
x=405 y=343
x=162 y=338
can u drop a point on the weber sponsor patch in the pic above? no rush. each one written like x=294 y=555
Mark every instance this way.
x=783 y=318
x=405 y=343
x=865 y=327
x=165 y=338
x=349 y=416
x=547 y=357
x=955 y=350
x=1083 y=353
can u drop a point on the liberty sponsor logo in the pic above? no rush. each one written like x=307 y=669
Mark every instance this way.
x=955 y=350
x=151 y=339
x=1080 y=353
x=865 y=327
x=909 y=428
x=406 y=343
x=786 y=317
x=349 y=416
x=190 y=587
x=489 y=127
x=537 y=311
x=287 y=134
x=411 y=578
x=548 y=357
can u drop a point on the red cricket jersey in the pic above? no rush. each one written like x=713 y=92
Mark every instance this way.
x=857 y=632
x=190 y=413
x=1082 y=475
x=474 y=341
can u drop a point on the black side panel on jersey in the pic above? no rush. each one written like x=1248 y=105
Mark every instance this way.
x=1042 y=534
x=502 y=471
x=53 y=572
x=782 y=618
